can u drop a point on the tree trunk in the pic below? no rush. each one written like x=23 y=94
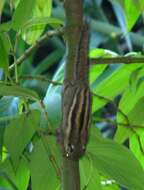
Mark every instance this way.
x=74 y=23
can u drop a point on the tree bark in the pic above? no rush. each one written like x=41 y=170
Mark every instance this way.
x=70 y=174
x=74 y=23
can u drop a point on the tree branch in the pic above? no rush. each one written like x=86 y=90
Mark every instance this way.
x=116 y=60
x=115 y=123
x=40 y=78
x=37 y=44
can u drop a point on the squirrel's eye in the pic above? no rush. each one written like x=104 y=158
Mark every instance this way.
x=70 y=149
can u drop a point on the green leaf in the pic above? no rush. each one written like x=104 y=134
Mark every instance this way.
x=99 y=52
x=36 y=26
x=122 y=133
x=132 y=12
x=44 y=7
x=112 y=85
x=43 y=173
x=90 y=178
x=22 y=13
x=19 y=133
x=13 y=90
x=8 y=108
x=127 y=104
x=2 y=2
x=97 y=70
x=17 y=180
x=136 y=115
x=40 y=11
x=139 y=4
x=117 y=162
x=6 y=26
x=137 y=147
x=38 y=23
x=4 y=49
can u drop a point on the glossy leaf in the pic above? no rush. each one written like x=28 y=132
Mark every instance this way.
x=137 y=147
x=132 y=12
x=90 y=178
x=4 y=62
x=14 y=179
x=6 y=26
x=13 y=90
x=44 y=10
x=8 y=108
x=40 y=11
x=132 y=97
x=38 y=22
x=19 y=133
x=43 y=173
x=117 y=162
x=2 y=2
x=97 y=70
x=22 y=13
x=136 y=115
x=112 y=85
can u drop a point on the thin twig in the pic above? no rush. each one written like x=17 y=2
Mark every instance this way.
x=127 y=124
x=39 y=77
x=116 y=60
x=113 y=122
x=50 y=155
x=106 y=99
x=14 y=56
x=37 y=44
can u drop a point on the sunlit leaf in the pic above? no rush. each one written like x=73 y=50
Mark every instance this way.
x=137 y=147
x=2 y=2
x=14 y=179
x=127 y=104
x=132 y=13
x=22 y=13
x=39 y=22
x=112 y=85
x=117 y=162
x=90 y=178
x=40 y=12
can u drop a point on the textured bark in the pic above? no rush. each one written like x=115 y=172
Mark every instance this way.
x=74 y=24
